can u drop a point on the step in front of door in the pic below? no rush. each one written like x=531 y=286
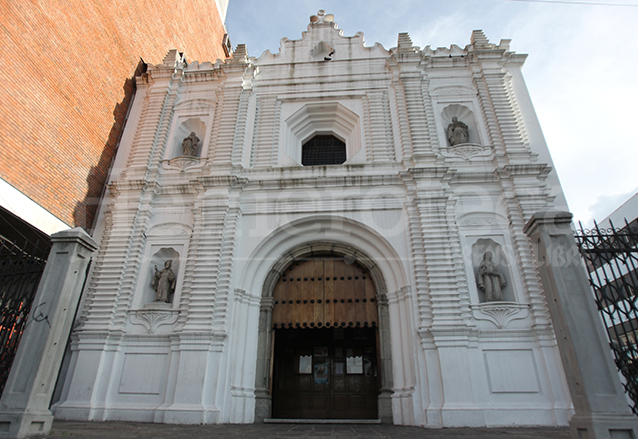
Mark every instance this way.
x=321 y=421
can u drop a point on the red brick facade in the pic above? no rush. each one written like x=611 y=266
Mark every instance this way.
x=67 y=72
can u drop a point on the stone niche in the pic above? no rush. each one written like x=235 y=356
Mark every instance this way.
x=465 y=115
x=146 y=311
x=188 y=126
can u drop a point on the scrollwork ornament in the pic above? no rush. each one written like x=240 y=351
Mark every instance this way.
x=153 y=318
x=500 y=313
x=183 y=163
x=468 y=150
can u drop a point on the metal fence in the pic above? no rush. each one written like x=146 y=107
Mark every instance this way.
x=611 y=256
x=21 y=268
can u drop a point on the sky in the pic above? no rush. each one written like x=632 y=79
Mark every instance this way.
x=581 y=71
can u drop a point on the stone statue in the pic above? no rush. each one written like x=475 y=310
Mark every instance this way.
x=457 y=132
x=189 y=144
x=490 y=279
x=164 y=283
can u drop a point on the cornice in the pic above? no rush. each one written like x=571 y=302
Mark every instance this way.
x=538 y=170
x=324 y=182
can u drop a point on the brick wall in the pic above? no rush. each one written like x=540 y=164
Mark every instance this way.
x=67 y=70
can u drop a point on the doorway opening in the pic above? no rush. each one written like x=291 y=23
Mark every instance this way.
x=324 y=335
x=329 y=373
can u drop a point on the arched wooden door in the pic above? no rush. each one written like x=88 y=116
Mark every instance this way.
x=325 y=357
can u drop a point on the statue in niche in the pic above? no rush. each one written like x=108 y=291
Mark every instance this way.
x=189 y=144
x=490 y=279
x=457 y=132
x=164 y=282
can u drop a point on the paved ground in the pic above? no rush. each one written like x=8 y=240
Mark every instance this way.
x=133 y=430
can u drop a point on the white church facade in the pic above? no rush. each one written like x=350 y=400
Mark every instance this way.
x=331 y=231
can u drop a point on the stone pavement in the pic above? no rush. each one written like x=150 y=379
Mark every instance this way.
x=134 y=430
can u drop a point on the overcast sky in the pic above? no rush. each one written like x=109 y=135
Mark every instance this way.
x=581 y=71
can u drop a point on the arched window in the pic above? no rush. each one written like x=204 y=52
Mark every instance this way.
x=323 y=150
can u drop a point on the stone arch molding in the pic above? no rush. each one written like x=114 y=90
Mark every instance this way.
x=322 y=118
x=326 y=235
x=323 y=228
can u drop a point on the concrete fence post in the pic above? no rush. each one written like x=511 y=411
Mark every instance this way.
x=599 y=400
x=24 y=407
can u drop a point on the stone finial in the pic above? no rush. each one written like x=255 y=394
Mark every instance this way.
x=505 y=45
x=240 y=54
x=479 y=39
x=172 y=58
x=405 y=43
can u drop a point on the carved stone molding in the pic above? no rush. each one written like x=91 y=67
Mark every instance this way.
x=242 y=296
x=170 y=229
x=500 y=313
x=467 y=151
x=154 y=315
x=482 y=219
x=399 y=295
x=183 y=162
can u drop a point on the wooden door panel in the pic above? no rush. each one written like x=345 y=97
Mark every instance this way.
x=289 y=401
x=356 y=402
x=319 y=402
x=328 y=293
x=339 y=385
x=371 y=402
x=324 y=292
x=344 y=395
x=304 y=384
x=355 y=384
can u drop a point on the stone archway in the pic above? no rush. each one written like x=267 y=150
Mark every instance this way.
x=263 y=384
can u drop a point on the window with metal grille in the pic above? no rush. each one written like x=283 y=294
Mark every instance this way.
x=323 y=150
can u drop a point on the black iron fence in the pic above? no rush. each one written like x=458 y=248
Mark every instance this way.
x=611 y=256
x=21 y=268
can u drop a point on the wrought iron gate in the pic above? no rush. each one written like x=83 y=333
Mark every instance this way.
x=611 y=256
x=21 y=268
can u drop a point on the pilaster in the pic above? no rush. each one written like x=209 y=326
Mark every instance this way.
x=24 y=407
x=264 y=131
x=379 y=126
x=599 y=400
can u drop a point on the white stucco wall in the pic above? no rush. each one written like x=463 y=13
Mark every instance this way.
x=423 y=211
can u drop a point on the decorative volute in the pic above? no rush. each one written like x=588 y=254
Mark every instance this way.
x=321 y=17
